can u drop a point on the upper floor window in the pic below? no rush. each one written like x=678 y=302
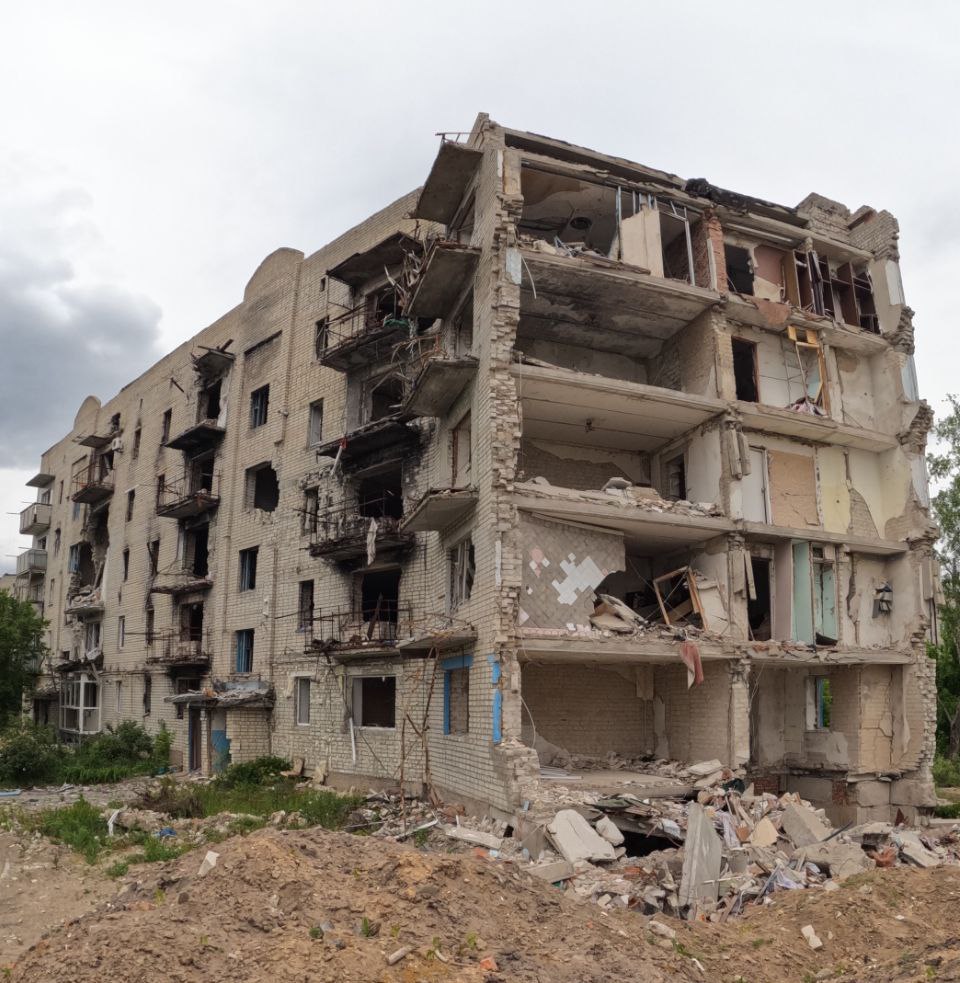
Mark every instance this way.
x=244 y=650
x=248 y=568
x=259 y=406
x=315 y=434
x=165 y=426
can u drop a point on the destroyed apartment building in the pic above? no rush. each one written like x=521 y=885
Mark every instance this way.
x=557 y=466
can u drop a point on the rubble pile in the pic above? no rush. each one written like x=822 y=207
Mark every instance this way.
x=702 y=846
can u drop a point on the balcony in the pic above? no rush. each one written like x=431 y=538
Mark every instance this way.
x=446 y=272
x=202 y=436
x=816 y=429
x=188 y=649
x=353 y=533
x=349 y=635
x=594 y=302
x=188 y=496
x=356 y=340
x=91 y=486
x=447 y=182
x=375 y=446
x=32 y=562
x=440 y=508
x=438 y=380
x=35 y=519
x=85 y=603
x=33 y=596
x=179 y=582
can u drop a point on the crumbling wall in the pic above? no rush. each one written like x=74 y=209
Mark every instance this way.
x=692 y=724
x=248 y=732
x=577 y=466
x=563 y=563
x=588 y=710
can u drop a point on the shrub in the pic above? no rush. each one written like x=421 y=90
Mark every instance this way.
x=946 y=772
x=29 y=755
x=260 y=771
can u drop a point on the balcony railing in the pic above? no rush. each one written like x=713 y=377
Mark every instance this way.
x=32 y=562
x=374 y=630
x=91 y=485
x=187 y=648
x=35 y=519
x=188 y=496
x=353 y=531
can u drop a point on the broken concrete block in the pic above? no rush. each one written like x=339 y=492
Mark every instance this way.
x=474 y=837
x=576 y=840
x=664 y=931
x=703 y=768
x=395 y=957
x=609 y=831
x=872 y=793
x=208 y=863
x=702 y=857
x=764 y=833
x=913 y=850
x=840 y=860
x=811 y=936
x=709 y=781
x=910 y=792
x=552 y=871
x=802 y=826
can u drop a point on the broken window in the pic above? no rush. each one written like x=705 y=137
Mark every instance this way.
x=739 y=269
x=121 y=631
x=811 y=366
x=91 y=636
x=126 y=564
x=305 y=606
x=315 y=432
x=196 y=550
x=147 y=695
x=819 y=703
x=131 y=497
x=759 y=610
x=209 y=406
x=321 y=336
x=73 y=559
x=200 y=472
x=165 y=426
x=243 y=649
x=380 y=306
x=135 y=450
x=301 y=699
x=381 y=496
x=259 y=406
x=191 y=622
x=248 y=568
x=462 y=572
x=456 y=695
x=461 y=452
x=148 y=629
x=375 y=701
x=311 y=510
x=379 y=598
x=386 y=397
x=675 y=478
x=745 y=370
x=262 y=488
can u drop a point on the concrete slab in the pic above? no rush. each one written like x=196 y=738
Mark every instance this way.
x=702 y=856
x=803 y=826
x=576 y=840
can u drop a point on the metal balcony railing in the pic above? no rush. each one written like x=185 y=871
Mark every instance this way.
x=92 y=484
x=188 y=495
x=379 y=627
x=32 y=562
x=184 y=647
x=35 y=519
x=350 y=531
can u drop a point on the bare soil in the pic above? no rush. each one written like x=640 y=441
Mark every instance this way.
x=310 y=905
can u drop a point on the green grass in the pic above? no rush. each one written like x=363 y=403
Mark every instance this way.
x=80 y=826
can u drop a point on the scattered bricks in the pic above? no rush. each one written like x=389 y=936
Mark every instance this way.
x=811 y=936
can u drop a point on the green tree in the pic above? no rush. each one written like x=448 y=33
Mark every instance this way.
x=21 y=652
x=945 y=469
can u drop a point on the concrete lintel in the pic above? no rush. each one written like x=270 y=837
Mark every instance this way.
x=763 y=532
x=795 y=659
x=818 y=429
x=601 y=650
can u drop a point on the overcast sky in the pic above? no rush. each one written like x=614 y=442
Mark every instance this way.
x=152 y=154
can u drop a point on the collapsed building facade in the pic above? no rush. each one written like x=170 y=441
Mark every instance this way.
x=556 y=452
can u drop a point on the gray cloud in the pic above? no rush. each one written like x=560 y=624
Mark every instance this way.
x=65 y=334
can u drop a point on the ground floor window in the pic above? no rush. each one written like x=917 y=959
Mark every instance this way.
x=80 y=705
x=456 y=694
x=375 y=701
x=301 y=698
x=819 y=703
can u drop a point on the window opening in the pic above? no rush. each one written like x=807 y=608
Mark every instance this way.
x=675 y=478
x=739 y=269
x=462 y=573
x=305 y=606
x=244 y=650
x=302 y=701
x=375 y=701
x=248 y=568
x=759 y=611
x=259 y=406
x=745 y=370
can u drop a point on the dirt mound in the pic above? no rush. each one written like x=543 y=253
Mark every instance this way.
x=308 y=905
x=884 y=925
